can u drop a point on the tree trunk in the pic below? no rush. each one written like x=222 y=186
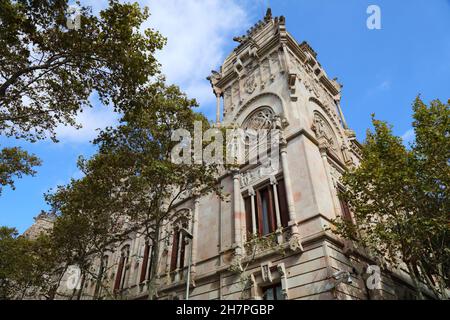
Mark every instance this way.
x=441 y=282
x=415 y=280
x=80 y=291
x=99 y=281
x=429 y=281
x=54 y=289
x=154 y=266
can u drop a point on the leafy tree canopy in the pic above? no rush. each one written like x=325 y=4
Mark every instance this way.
x=50 y=69
x=400 y=197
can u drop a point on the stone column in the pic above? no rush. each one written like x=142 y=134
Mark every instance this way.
x=279 y=231
x=237 y=213
x=194 y=237
x=274 y=182
x=252 y=195
x=295 y=241
x=218 y=109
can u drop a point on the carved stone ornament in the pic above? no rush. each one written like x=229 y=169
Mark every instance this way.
x=324 y=132
x=250 y=84
x=266 y=274
x=284 y=281
x=295 y=243
x=253 y=176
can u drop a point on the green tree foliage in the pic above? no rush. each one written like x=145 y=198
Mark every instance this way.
x=89 y=222
x=15 y=162
x=48 y=71
x=400 y=197
x=140 y=149
x=27 y=267
x=131 y=186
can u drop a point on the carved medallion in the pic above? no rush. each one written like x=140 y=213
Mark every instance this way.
x=250 y=84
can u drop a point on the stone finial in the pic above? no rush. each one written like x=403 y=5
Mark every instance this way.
x=268 y=16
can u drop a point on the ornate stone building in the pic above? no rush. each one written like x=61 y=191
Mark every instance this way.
x=268 y=80
x=42 y=223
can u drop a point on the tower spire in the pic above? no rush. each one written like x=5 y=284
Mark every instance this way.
x=268 y=12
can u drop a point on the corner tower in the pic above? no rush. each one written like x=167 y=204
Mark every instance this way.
x=269 y=70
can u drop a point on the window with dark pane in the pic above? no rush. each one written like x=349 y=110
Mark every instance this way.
x=345 y=208
x=122 y=269
x=283 y=205
x=248 y=215
x=178 y=250
x=273 y=292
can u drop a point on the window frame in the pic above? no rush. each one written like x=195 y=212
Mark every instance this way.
x=146 y=262
x=273 y=288
x=265 y=191
x=121 y=273
x=346 y=213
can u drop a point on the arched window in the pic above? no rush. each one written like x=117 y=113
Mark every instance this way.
x=178 y=246
x=122 y=268
x=146 y=262
x=261 y=118
x=258 y=135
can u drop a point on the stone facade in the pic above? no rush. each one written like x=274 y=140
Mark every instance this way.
x=271 y=76
x=42 y=223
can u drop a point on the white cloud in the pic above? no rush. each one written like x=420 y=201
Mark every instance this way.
x=91 y=119
x=408 y=136
x=197 y=33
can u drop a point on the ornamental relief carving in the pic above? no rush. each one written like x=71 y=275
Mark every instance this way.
x=250 y=84
x=324 y=132
x=259 y=174
x=317 y=91
x=274 y=63
x=333 y=118
x=250 y=103
x=265 y=73
x=336 y=173
x=235 y=94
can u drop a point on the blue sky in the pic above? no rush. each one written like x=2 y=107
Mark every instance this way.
x=382 y=70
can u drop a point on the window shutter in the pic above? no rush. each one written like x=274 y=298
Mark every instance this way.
x=271 y=210
x=119 y=273
x=248 y=215
x=282 y=201
x=182 y=251
x=145 y=263
x=173 y=262
x=259 y=213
